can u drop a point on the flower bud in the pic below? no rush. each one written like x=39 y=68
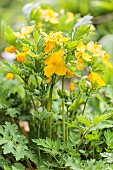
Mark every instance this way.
x=71 y=86
x=9 y=76
x=21 y=57
x=69 y=73
x=47 y=81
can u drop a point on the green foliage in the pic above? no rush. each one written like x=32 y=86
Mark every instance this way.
x=12 y=142
x=16 y=166
x=54 y=111
x=82 y=32
x=10 y=37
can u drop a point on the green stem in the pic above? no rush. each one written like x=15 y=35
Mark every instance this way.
x=85 y=106
x=33 y=103
x=49 y=109
x=76 y=105
x=38 y=137
x=67 y=126
x=63 y=115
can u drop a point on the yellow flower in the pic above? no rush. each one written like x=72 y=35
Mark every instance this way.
x=105 y=59
x=9 y=76
x=21 y=57
x=95 y=78
x=10 y=49
x=70 y=16
x=81 y=56
x=49 y=47
x=25 y=32
x=95 y=48
x=49 y=15
x=55 y=64
x=80 y=47
x=39 y=24
x=19 y=35
x=25 y=49
x=86 y=57
x=81 y=52
x=79 y=65
x=71 y=86
x=55 y=37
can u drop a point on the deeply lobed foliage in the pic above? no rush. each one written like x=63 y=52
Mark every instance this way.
x=53 y=114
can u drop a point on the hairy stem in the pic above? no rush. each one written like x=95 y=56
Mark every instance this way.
x=49 y=109
x=29 y=164
x=63 y=114
x=76 y=105
x=85 y=106
x=67 y=125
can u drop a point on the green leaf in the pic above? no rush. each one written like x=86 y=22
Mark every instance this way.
x=109 y=91
x=12 y=141
x=12 y=112
x=100 y=118
x=16 y=70
x=73 y=163
x=72 y=44
x=3 y=160
x=82 y=32
x=84 y=121
x=6 y=66
x=36 y=35
x=48 y=145
x=108 y=157
x=102 y=125
x=6 y=167
x=19 y=89
x=109 y=138
x=32 y=80
x=18 y=166
x=10 y=37
x=93 y=136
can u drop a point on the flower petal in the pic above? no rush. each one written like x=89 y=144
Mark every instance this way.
x=58 y=55
x=61 y=69
x=49 y=70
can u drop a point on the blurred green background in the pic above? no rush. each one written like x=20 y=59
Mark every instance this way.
x=101 y=10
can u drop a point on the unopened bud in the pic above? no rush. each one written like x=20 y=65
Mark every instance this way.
x=71 y=86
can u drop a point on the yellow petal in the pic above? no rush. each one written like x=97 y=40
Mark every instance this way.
x=58 y=55
x=49 y=47
x=79 y=65
x=70 y=16
x=86 y=57
x=50 y=59
x=10 y=49
x=49 y=70
x=105 y=59
x=19 y=35
x=106 y=56
x=78 y=54
x=26 y=30
x=61 y=69
x=81 y=47
x=95 y=78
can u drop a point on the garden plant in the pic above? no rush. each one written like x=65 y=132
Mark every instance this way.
x=55 y=106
